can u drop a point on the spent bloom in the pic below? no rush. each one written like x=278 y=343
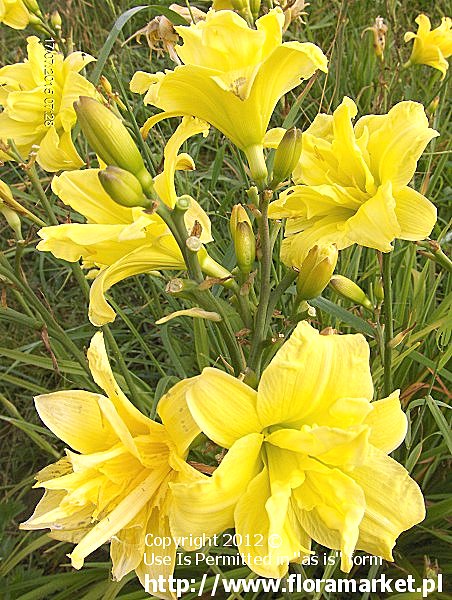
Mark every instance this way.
x=431 y=46
x=37 y=96
x=352 y=182
x=307 y=457
x=232 y=77
x=123 y=241
x=112 y=485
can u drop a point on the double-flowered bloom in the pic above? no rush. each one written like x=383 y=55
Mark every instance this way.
x=232 y=77
x=307 y=457
x=37 y=96
x=431 y=46
x=113 y=484
x=352 y=182
x=118 y=240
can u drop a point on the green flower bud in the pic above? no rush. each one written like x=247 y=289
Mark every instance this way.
x=32 y=6
x=12 y=218
x=350 y=290
x=111 y=141
x=379 y=291
x=123 y=187
x=244 y=239
x=287 y=156
x=258 y=168
x=316 y=271
x=55 y=20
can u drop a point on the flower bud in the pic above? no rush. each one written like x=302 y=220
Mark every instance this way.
x=55 y=20
x=12 y=218
x=287 y=156
x=110 y=139
x=258 y=168
x=32 y=6
x=244 y=239
x=123 y=187
x=348 y=289
x=238 y=215
x=379 y=291
x=316 y=271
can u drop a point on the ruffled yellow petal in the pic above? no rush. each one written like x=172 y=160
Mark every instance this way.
x=159 y=528
x=82 y=191
x=164 y=183
x=176 y=417
x=75 y=417
x=162 y=253
x=103 y=375
x=207 y=506
x=309 y=376
x=375 y=224
x=213 y=395
x=387 y=422
x=351 y=162
x=127 y=547
x=331 y=507
x=118 y=518
x=346 y=448
x=58 y=152
x=394 y=503
x=416 y=215
x=396 y=142
x=99 y=244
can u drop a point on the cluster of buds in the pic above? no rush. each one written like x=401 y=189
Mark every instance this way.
x=243 y=237
x=126 y=178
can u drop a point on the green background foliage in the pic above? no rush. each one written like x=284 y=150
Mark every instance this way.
x=44 y=329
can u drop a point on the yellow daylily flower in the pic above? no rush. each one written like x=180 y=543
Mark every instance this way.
x=38 y=96
x=352 y=182
x=229 y=65
x=14 y=13
x=118 y=240
x=113 y=483
x=307 y=457
x=431 y=46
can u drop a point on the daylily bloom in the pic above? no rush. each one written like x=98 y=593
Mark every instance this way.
x=353 y=182
x=113 y=483
x=307 y=457
x=38 y=96
x=122 y=241
x=232 y=77
x=431 y=46
x=14 y=14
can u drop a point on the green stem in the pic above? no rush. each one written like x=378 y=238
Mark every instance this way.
x=388 y=322
x=175 y=221
x=34 y=178
x=275 y=296
x=260 y=329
